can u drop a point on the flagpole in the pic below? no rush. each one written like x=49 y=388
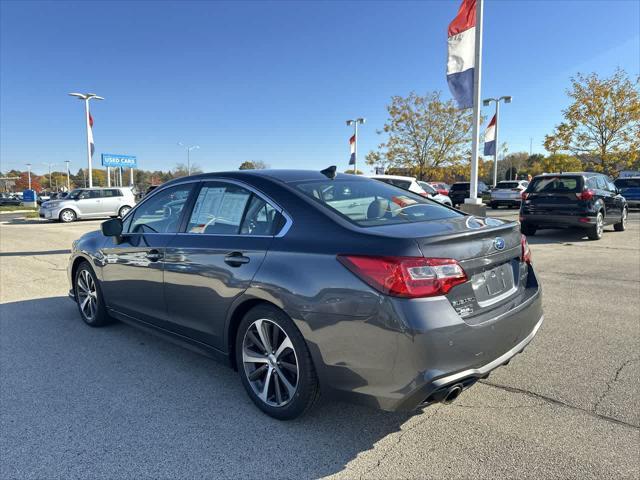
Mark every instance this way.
x=495 y=152
x=477 y=74
x=86 y=111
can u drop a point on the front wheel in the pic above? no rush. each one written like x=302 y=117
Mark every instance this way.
x=89 y=297
x=274 y=364
x=622 y=226
x=67 y=216
x=595 y=231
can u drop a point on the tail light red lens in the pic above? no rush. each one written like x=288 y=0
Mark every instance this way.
x=526 y=251
x=586 y=194
x=524 y=195
x=408 y=277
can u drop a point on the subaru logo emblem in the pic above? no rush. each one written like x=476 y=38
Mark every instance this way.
x=499 y=243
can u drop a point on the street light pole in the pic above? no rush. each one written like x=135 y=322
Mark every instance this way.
x=68 y=179
x=86 y=97
x=188 y=148
x=487 y=102
x=29 y=174
x=355 y=123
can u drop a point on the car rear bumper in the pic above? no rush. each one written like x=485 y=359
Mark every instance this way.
x=633 y=202
x=411 y=350
x=505 y=201
x=544 y=220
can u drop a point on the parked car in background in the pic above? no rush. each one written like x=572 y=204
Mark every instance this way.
x=460 y=190
x=629 y=187
x=434 y=194
x=89 y=203
x=581 y=199
x=441 y=187
x=8 y=200
x=407 y=183
x=310 y=282
x=508 y=193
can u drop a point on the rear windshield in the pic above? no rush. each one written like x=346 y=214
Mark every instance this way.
x=557 y=184
x=460 y=186
x=374 y=203
x=507 y=185
x=628 y=183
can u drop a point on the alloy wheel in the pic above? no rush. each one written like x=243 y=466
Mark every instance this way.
x=124 y=211
x=270 y=363
x=67 y=216
x=87 y=295
x=600 y=224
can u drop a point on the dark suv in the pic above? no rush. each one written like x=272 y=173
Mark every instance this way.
x=460 y=190
x=587 y=200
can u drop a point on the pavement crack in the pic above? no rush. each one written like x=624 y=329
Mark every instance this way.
x=393 y=447
x=611 y=382
x=560 y=403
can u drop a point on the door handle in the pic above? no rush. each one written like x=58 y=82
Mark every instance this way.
x=235 y=259
x=153 y=255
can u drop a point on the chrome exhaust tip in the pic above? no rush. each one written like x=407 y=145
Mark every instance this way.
x=453 y=393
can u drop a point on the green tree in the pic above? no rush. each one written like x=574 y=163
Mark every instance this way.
x=424 y=133
x=602 y=124
x=253 y=165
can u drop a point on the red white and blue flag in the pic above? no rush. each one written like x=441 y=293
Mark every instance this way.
x=461 y=54
x=490 y=138
x=90 y=134
x=352 y=149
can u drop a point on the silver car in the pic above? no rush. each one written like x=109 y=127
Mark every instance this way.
x=508 y=193
x=90 y=203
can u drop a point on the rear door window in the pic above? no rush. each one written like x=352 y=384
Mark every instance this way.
x=219 y=209
x=557 y=184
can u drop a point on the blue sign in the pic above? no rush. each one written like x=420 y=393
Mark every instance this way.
x=29 y=196
x=115 y=160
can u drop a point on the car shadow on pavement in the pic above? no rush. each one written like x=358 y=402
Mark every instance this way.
x=118 y=402
x=29 y=254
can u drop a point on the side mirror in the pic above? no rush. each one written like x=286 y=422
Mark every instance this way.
x=112 y=227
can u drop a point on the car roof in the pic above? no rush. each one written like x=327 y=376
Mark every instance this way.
x=277 y=175
x=572 y=174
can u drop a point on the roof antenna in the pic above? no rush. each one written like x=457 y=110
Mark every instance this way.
x=329 y=172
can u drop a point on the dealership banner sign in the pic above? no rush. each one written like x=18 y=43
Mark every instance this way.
x=116 y=160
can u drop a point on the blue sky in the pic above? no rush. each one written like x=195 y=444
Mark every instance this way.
x=274 y=81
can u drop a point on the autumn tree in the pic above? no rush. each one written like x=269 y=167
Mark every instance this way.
x=602 y=124
x=181 y=170
x=253 y=165
x=423 y=133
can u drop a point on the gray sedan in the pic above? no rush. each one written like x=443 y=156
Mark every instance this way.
x=308 y=282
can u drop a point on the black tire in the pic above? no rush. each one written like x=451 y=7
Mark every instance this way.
x=595 y=231
x=67 y=216
x=282 y=405
x=123 y=210
x=528 y=229
x=494 y=206
x=97 y=315
x=622 y=225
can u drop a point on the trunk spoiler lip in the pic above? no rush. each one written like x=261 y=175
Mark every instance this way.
x=468 y=233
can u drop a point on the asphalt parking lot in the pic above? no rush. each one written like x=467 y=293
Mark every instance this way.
x=77 y=402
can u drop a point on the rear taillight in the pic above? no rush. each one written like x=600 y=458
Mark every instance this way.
x=586 y=194
x=526 y=251
x=524 y=195
x=408 y=277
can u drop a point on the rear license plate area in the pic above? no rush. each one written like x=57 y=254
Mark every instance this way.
x=494 y=284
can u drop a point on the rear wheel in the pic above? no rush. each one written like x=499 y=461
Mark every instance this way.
x=622 y=226
x=89 y=297
x=595 y=231
x=528 y=229
x=123 y=211
x=67 y=215
x=274 y=364
x=493 y=205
